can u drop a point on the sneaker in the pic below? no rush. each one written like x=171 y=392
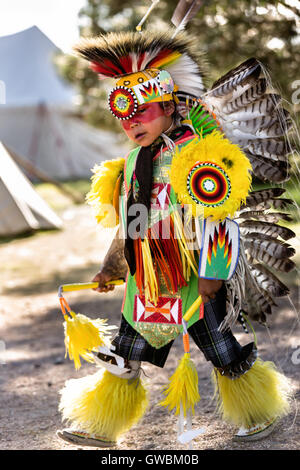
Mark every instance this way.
x=84 y=439
x=259 y=431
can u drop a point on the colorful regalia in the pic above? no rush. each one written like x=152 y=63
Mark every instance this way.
x=201 y=219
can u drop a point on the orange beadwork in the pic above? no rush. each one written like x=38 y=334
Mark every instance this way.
x=186 y=342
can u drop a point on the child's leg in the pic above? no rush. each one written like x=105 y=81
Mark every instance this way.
x=251 y=392
x=104 y=406
x=221 y=349
x=132 y=346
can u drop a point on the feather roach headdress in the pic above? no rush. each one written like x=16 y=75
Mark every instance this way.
x=149 y=67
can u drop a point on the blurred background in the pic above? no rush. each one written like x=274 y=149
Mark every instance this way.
x=54 y=127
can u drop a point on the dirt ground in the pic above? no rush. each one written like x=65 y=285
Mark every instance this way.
x=33 y=367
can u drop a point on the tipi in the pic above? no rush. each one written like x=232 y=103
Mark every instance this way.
x=21 y=208
x=37 y=120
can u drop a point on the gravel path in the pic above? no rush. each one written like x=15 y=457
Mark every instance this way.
x=32 y=364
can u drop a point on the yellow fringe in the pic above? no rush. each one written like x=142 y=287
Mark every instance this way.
x=102 y=196
x=187 y=255
x=259 y=395
x=183 y=388
x=151 y=290
x=82 y=335
x=150 y=281
x=103 y=404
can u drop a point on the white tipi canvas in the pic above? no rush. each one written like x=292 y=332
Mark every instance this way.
x=38 y=119
x=21 y=207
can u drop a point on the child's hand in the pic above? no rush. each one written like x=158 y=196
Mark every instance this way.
x=208 y=288
x=102 y=279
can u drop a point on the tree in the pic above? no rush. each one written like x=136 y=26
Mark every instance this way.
x=228 y=31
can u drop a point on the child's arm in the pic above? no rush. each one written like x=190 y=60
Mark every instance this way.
x=114 y=265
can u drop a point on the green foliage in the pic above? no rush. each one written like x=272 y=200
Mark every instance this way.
x=229 y=32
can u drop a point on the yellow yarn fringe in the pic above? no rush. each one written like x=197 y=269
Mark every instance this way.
x=260 y=394
x=150 y=281
x=187 y=255
x=151 y=291
x=103 y=404
x=82 y=335
x=183 y=388
x=102 y=195
x=216 y=149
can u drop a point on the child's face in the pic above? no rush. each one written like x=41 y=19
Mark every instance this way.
x=148 y=123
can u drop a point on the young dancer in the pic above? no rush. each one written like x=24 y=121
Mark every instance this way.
x=217 y=138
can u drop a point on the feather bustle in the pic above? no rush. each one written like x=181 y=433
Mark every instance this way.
x=262 y=196
x=228 y=82
x=281 y=264
x=272 y=217
x=262 y=243
x=269 y=170
x=268 y=281
x=267 y=228
x=240 y=108
x=275 y=149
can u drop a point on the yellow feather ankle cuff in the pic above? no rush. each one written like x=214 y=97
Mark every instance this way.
x=103 y=404
x=260 y=394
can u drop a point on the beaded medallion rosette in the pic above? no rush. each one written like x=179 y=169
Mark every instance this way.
x=208 y=184
x=211 y=176
x=139 y=88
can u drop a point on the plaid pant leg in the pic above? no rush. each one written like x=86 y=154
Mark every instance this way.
x=219 y=348
x=132 y=346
